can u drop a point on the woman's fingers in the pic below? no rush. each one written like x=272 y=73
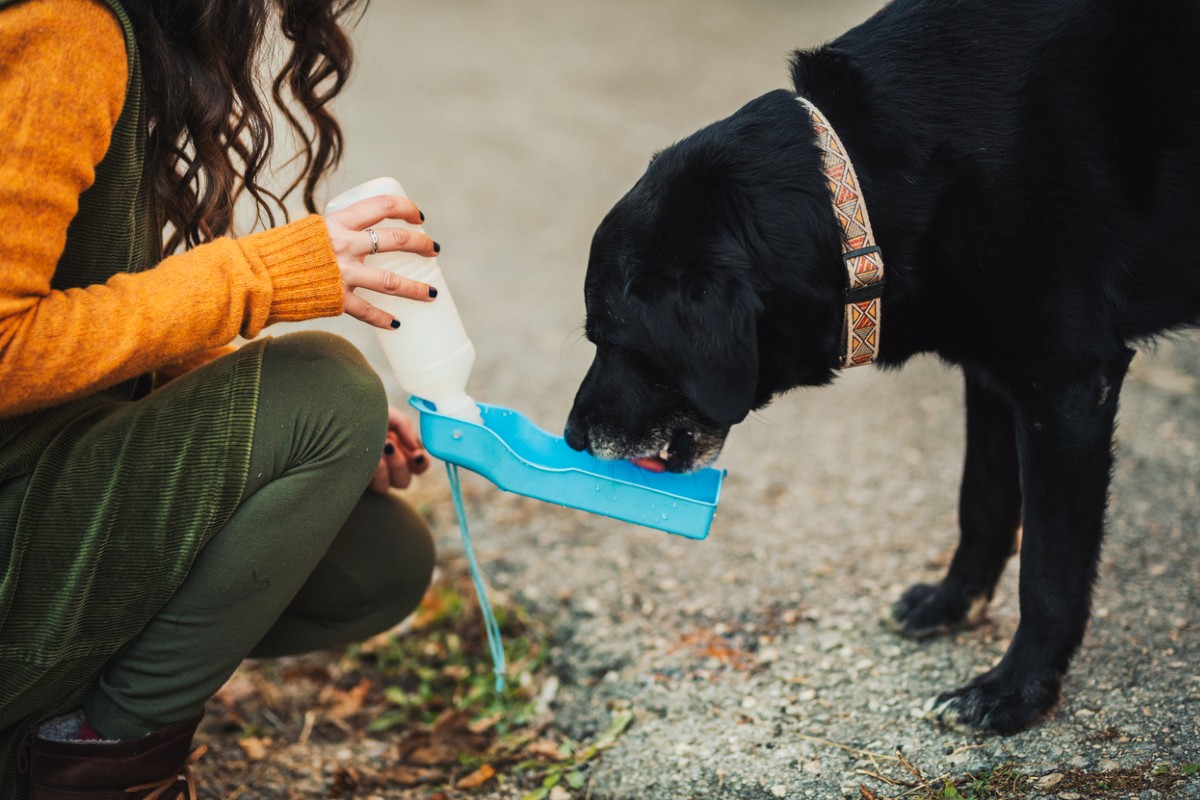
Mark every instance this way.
x=351 y=242
x=384 y=281
x=361 y=310
x=390 y=240
x=403 y=454
x=393 y=470
x=374 y=210
x=353 y=235
x=380 y=481
x=398 y=470
x=356 y=276
x=396 y=460
x=402 y=426
x=408 y=441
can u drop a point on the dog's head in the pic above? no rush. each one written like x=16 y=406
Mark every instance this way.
x=711 y=286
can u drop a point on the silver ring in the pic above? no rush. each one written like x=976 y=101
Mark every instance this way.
x=374 y=240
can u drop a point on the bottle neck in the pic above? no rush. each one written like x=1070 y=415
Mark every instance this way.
x=459 y=406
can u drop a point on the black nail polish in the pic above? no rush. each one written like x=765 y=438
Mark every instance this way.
x=389 y=449
x=395 y=323
x=422 y=213
x=419 y=461
x=432 y=292
x=437 y=248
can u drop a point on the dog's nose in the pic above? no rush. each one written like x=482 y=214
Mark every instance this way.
x=576 y=436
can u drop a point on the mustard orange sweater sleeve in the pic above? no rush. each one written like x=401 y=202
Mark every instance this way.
x=62 y=86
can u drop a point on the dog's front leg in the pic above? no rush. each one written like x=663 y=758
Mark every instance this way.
x=1064 y=443
x=989 y=513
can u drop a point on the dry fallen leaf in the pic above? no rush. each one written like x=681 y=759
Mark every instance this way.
x=545 y=748
x=457 y=672
x=412 y=776
x=434 y=754
x=450 y=723
x=710 y=644
x=346 y=704
x=477 y=778
x=255 y=748
x=559 y=793
x=486 y=724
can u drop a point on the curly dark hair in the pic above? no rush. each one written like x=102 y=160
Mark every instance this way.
x=210 y=127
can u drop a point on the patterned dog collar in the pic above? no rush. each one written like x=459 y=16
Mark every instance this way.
x=860 y=254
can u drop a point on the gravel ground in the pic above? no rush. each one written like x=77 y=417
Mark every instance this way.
x=754 y=661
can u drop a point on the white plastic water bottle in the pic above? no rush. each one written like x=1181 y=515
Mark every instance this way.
x=430 y=353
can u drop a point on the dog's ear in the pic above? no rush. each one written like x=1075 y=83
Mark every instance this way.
x=707 y=340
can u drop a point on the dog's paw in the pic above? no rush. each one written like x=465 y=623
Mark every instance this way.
x=995 y=702
x=926 y=610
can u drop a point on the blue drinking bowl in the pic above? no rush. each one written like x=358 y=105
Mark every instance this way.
x=517 y=456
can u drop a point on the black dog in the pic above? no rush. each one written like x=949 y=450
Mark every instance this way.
x=1032 y=170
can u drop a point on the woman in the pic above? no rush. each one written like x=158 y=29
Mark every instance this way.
x=165 y=513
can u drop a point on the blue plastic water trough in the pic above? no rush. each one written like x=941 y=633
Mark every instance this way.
x=517 y=456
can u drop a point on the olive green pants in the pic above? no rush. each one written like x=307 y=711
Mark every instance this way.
x=308 y=560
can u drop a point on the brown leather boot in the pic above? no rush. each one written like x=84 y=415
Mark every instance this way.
x=153 y=767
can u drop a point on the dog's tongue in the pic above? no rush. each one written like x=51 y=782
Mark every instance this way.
x=650 y=463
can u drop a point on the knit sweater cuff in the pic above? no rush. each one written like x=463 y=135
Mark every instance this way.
x=305 y=279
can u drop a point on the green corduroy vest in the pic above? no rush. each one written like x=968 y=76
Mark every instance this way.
x=114 y=230
x=57 y=635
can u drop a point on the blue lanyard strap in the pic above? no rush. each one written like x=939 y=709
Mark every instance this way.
x=495 y=645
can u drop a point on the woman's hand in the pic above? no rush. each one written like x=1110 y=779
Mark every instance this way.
x=354 y=238
x=403 y=455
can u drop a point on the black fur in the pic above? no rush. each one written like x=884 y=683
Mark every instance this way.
x=1032 y=170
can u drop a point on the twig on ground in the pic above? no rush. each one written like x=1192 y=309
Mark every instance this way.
x=853 y=750
x=310 y=719
x=885 y=779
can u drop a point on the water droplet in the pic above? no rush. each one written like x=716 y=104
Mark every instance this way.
x=664 y=516
x=457 y=434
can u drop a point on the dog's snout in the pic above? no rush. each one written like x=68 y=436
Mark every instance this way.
x=576 y=436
